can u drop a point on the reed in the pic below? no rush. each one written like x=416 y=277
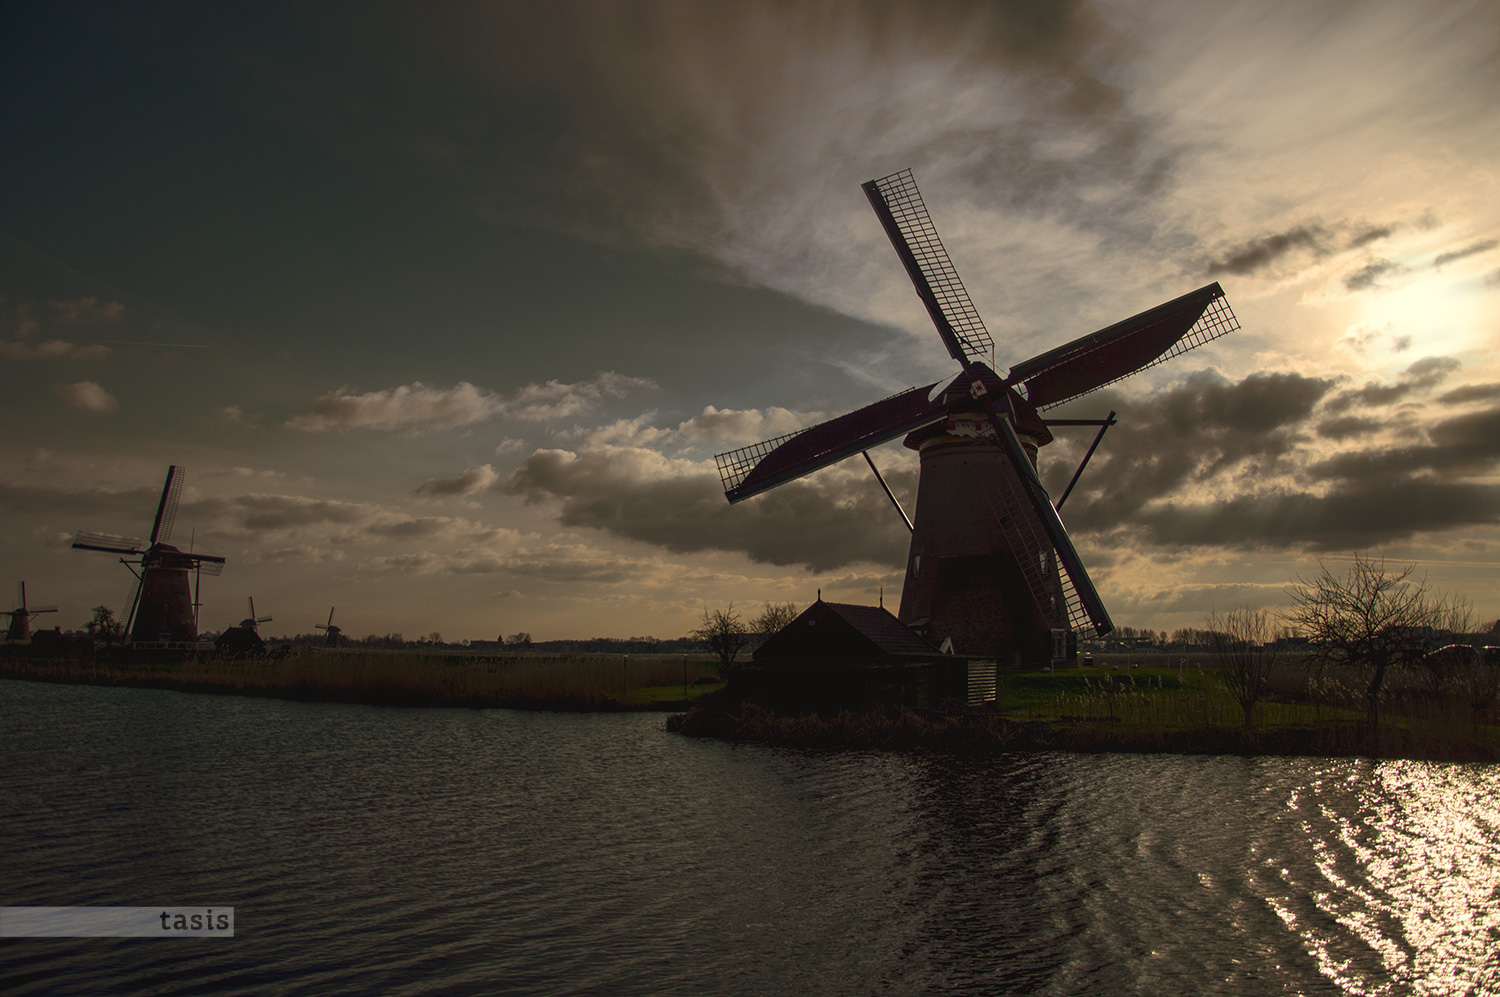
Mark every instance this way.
x=535 y=680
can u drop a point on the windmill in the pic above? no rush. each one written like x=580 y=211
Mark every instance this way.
x=243 y=641
x=333 y=631
x=990 y=567
x=161 y=608
x=19 y=631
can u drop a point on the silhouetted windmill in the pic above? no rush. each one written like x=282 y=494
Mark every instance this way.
x=333 y=631
x=19 y=631
x=243 y=641
x=161 y=608
x=990 y=563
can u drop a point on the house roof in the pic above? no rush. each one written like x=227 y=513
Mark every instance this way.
x=840 y=633
x=883 y=629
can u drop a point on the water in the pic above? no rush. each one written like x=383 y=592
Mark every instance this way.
x=370 y=850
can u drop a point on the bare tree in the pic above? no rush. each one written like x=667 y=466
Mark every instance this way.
x=104 y=626
x=1371 y=617
x=724 y=633
x=1242 y=644
x=775 y=616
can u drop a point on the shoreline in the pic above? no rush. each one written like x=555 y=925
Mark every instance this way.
x=724 y=716
x=983 y=732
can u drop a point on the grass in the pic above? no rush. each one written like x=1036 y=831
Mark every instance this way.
x=1121 y=705
x=578 y=682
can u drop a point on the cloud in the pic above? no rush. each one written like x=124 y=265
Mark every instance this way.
x=86 y=395
x=474 y=479
x=1473 y=249
x=1208 y=430
x=1344 y=427
x=1369 y=275
x=87 y=311
x=826 y=521
x=715 y=425
x=412 y=407
x=51 y=349
x=1420 y=376
x=417 y=408
x=1348 y=518
x=1262 y=252
x=1470 y=393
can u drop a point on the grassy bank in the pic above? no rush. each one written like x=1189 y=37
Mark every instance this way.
x=1183 y=708
x=562 y=682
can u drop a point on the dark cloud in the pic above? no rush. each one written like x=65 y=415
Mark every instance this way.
x=1420 y=376
x=1344 y=427
x=1369 y=275
x=472 y=480
x=821 y=523
x=1257 y=254
x=1472 y=249
x=1470 y=393
x=1349 y=518
x=1207 y=427
x=1369 y=235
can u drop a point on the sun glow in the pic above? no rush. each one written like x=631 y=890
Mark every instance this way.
x=1433 y=315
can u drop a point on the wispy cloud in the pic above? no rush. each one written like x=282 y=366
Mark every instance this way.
x=419 y=408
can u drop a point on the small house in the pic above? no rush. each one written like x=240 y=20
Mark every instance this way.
x=838 y=655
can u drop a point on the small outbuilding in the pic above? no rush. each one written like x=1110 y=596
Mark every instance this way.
x=837 y=655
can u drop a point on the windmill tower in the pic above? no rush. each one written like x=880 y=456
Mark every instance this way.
x=19 y=631
x=991 y=566
x=333 y=631
x=161 y=608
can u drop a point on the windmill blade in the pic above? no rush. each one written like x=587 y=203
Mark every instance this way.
x=1040 y=530
x=131 y=604
x=208 y=564
x=1141 y=341
x=43 y=609
x=262 y=619
x=898 y=205
x=166 y=509
x=109 y=543
x=751 y=470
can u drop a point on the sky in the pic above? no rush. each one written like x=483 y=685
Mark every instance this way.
x=446 y=308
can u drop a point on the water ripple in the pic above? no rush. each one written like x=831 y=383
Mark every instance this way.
x=461 y=851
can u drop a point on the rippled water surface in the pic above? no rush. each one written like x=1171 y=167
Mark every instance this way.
x=370 y=850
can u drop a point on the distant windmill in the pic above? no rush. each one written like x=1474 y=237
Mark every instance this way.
x=19 y=631
x=243 y=641
x=161 y=608
x=333 y=631
x=990 y=564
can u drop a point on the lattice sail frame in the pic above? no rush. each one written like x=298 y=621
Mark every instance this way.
x=735 y=465
x=1218 y=319
x=899 y=191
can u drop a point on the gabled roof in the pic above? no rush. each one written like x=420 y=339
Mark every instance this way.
x=837 y=633
x=884 y=630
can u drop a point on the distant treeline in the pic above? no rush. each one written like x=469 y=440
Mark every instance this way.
x=517 y=642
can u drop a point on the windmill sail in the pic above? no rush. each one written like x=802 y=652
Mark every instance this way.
x=166 y=509
x=753 y=469
x=107 y=542
x=903 y=215
x=1117 y=351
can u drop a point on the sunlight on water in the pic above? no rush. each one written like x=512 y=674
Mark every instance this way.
x=1400 y=892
